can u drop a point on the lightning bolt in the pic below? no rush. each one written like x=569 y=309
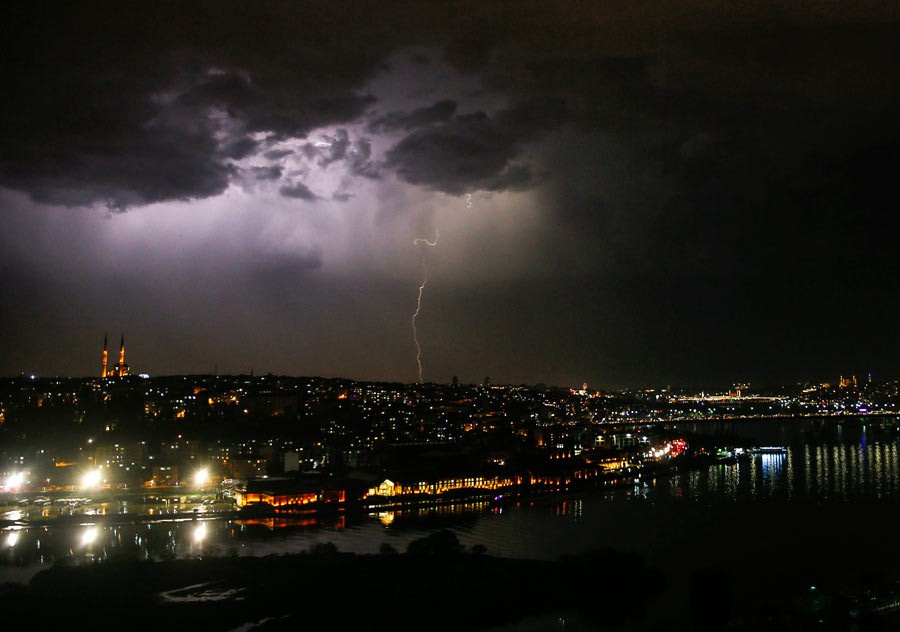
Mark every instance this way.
x=417 y=242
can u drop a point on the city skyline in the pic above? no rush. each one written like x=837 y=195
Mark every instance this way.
x=111 y=371
x=664 y=194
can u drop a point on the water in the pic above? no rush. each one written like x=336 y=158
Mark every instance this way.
x=821 y=513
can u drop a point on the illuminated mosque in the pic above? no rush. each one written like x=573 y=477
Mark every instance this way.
x=121 y=369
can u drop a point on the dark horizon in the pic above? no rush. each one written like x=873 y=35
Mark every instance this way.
x=672 y=193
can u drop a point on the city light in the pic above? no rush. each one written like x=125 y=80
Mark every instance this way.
x=201 y=477
x=11 y=538
x=15 y=481
x=200 y=532
x=88 y=536
x=91 y=479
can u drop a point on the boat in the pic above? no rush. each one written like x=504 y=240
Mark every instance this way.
x=770 y=449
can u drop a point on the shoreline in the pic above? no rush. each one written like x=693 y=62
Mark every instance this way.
x=492 y=498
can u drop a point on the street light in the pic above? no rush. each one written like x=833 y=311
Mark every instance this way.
x=201 y=477
x=15 y=481
x=91 y=479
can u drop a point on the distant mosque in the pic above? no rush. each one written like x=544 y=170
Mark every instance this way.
x=121 y=369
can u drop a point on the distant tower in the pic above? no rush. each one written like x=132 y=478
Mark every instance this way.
x=105 y=355
x=121 y=369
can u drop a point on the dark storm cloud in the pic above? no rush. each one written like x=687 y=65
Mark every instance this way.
x=534 y=114
x=140 y=179
x=339 y=144
x=299 y=191
x=340 y=148
x=332 y=149
x=139 y=105
x=239 y=148
x=437 y=113
x=278 y=154
x=469 y=152
x=360 y=160
x=272 y=172
x=78 y=127
x=98 y=100
x=709 y=178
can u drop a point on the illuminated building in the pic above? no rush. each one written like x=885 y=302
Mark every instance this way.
x=163 y=476
x=105 y=355
x=291 y=461
x=440 y=485
x=121 y=369
x=245 y=468
x=288 y=492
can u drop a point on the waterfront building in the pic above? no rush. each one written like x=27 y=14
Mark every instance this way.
x=285 y=492
x=409 y=484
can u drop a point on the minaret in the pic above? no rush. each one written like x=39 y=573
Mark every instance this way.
x=105 y=355
x=121 y=367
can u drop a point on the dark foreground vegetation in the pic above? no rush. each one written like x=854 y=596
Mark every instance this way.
x=435 y=585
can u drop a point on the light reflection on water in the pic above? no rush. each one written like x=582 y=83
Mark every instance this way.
x=846 y=464
x=825 y=464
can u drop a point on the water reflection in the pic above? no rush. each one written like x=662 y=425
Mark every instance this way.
x=825 y=463
x=200 y=532
x=772 y=470
x=572 y=508
x=88 y=536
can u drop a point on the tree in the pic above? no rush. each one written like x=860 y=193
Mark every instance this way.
x=387 y=549
x=323 y=548
x=443 y=542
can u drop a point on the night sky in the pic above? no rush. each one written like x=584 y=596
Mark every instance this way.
x=626 y=193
